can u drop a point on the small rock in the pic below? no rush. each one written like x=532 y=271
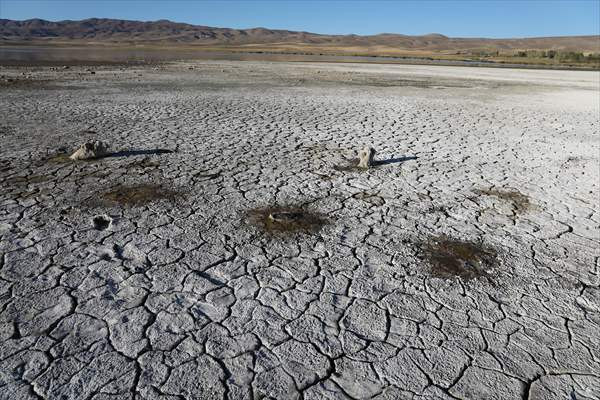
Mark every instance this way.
x=65 y=67
x=365 y=157
x=285 y=216
x=90 y=150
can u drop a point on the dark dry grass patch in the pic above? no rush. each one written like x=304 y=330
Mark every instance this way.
x=451 y=258
x=519 y=201
x=140 y=194
x=285 y=220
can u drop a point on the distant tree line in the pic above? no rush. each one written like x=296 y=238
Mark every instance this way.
x=558 y=55
x=563 y=56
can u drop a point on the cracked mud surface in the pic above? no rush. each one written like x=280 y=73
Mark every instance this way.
x=139 y=275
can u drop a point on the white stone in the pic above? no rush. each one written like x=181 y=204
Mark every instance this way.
x=365 y=157
x=90 y=150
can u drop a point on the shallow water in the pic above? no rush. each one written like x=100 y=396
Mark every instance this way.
x=74 y=55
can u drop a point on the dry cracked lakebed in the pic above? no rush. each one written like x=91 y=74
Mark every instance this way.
x=228 y=249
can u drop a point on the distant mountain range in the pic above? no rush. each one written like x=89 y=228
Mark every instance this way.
x=115 y=31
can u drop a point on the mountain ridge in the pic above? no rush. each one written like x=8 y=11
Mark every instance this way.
x=108 y=30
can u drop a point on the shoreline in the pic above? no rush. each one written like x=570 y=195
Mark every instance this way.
x=165 y=54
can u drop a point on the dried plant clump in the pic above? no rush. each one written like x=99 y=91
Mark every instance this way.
x=454 y=258
x=135 y=195
x=286 y=220
x=519 y=201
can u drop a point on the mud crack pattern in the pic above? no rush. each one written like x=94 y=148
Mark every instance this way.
x=143 y=276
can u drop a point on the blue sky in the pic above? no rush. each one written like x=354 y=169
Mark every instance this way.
x=474 y=18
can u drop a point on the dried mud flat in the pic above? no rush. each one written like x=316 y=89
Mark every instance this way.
x=225 y=250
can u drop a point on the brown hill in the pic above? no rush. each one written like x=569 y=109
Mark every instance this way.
x=113 y=31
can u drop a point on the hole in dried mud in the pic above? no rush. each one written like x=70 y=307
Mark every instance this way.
x=452 y=258
x=140 y=194
x=286 y=219
x=101 y=222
